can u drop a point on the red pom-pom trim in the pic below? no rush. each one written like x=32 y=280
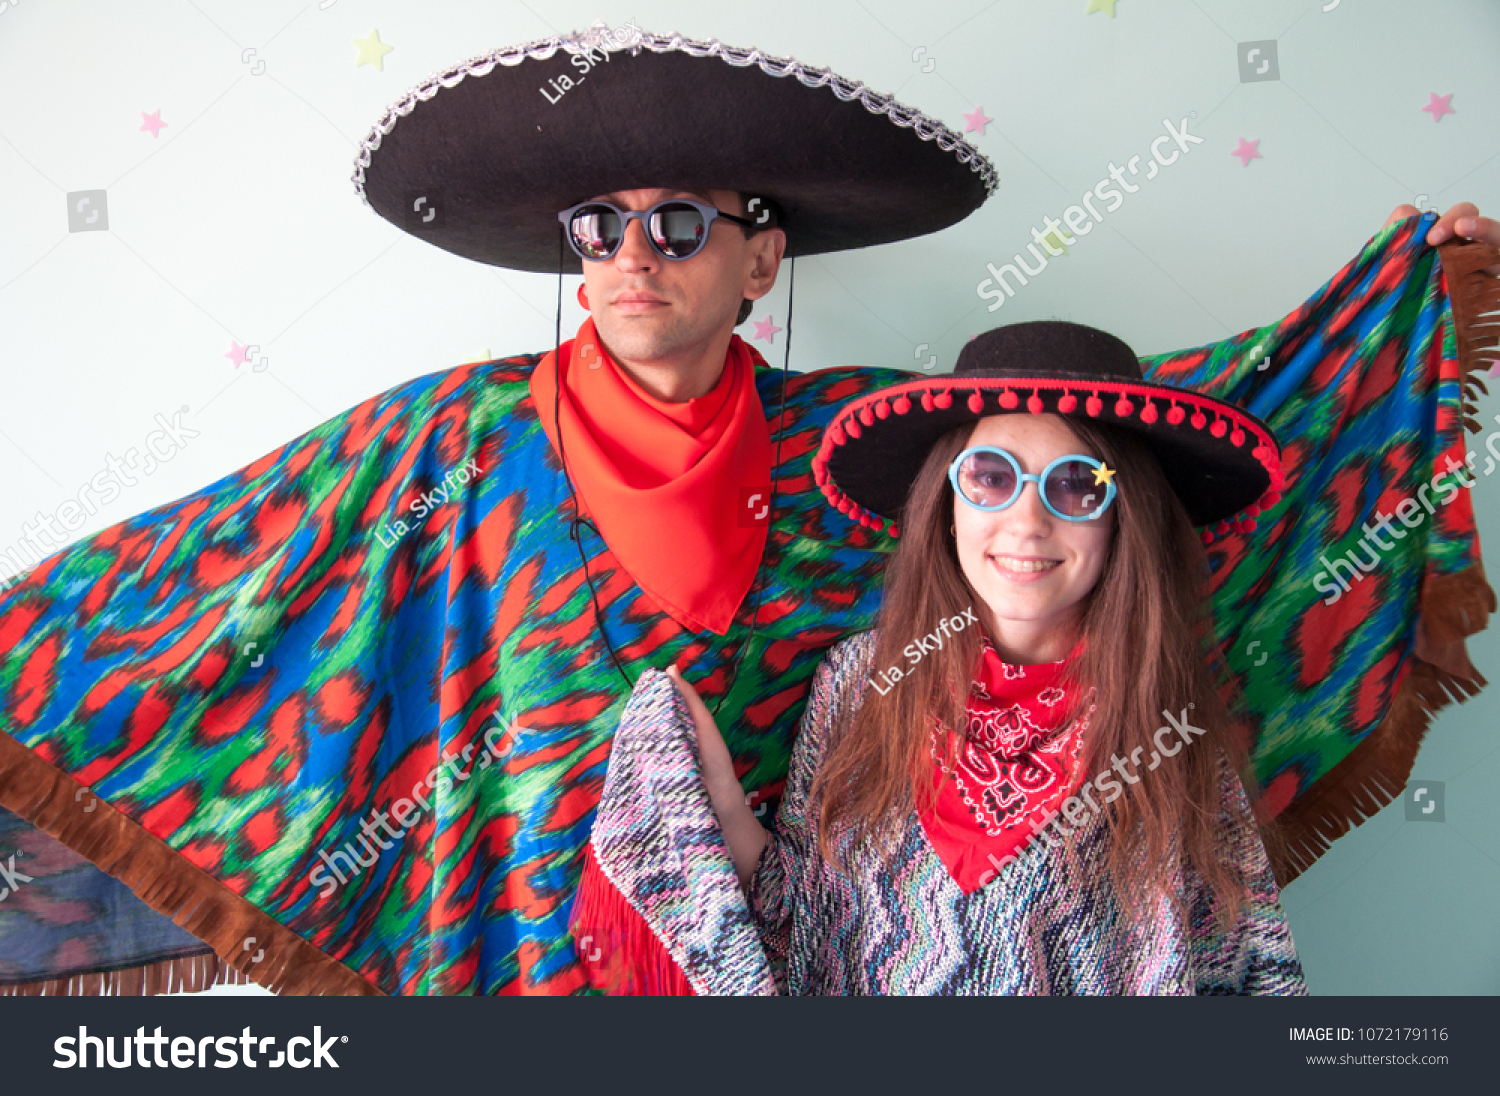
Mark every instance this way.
x=1237 y=436
x=1176 y=415
x=1034 y=403
x=882 y=411
x=865 y=415
x=943 y=399
x=902 y=405
x=1199 y=420
x=893 y=531
x=926 y=401
x=1219 y=428
x=854 y=428
x=1148 y=413
x=838 y=435
x=1068 y=404
x=976 y=402
x=1009 y=400
x=1094 y=406
x=1123 y=408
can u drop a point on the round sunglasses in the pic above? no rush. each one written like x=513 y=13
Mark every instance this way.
x=1074 y=487
x=677 y=228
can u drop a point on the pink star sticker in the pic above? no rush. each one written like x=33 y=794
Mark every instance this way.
x=976 y=120
x=237 y=355
x=152 y=122
x=1438 y=106
x=1247 y=151
x=766 y=329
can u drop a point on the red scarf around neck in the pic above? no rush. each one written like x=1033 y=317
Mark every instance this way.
x=665 y=483
x=1017 y=763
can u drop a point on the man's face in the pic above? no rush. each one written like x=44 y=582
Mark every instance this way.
x=648 y=308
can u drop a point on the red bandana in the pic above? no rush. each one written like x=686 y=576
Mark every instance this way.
x=666 y=483
x=1017 y=764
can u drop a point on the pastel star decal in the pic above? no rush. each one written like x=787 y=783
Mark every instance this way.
x=1247 y=151
x=976 y=119
x=372 y=51
x=1052 y=238
x=1106 y=6
x=152 y=122
x=766 y=329
x=237 y=354
x=1438 y=106
x=1103 y=474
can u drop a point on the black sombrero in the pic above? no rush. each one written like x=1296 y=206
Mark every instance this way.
x=480 y=159
x=1223 y=462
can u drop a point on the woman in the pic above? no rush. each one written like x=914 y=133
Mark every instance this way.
x=1026 y=780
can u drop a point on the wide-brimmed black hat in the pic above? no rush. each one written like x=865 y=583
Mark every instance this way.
x=481 y=158
x=1223 y=462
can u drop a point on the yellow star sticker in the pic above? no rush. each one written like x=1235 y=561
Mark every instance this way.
x=371 y=50
x=1052 y=238
x=1106 y=6
x=1103 y=474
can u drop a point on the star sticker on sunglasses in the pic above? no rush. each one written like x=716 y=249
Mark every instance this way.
x=1103 y=474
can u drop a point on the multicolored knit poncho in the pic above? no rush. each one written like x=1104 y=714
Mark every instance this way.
x=345 y=714
x=896 y=921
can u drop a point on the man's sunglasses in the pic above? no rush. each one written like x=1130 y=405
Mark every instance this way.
x=1075 y=487
x=677 y=229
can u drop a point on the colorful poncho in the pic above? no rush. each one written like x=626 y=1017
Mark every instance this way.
x=345 y=714
x=896 y=922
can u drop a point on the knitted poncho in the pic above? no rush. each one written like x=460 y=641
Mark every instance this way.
x=896 y=922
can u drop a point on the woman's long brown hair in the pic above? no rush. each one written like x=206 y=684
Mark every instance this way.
x=1149 y=648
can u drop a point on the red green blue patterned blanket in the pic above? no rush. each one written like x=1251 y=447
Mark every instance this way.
x=344 y=715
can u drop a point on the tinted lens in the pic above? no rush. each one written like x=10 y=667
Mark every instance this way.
x=1072 y=491
x=678 y=229
x=987 y=479
x=596 y=231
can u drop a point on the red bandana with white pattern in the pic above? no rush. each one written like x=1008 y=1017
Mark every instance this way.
x=1017 y=764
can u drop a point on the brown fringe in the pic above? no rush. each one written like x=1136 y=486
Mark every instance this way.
x=1453 y=607
x=189 y=974
x=1475 y=297
x=243 y=937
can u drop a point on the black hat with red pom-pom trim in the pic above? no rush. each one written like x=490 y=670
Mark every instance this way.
x=1223 y=462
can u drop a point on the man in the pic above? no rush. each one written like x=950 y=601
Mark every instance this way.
x=346 y=714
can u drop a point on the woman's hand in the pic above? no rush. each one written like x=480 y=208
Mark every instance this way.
x=742 y=833
x=713 y=754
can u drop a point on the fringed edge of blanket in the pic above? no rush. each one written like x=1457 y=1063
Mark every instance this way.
x=241 y=936
x=186 y=974
x=1453 y=607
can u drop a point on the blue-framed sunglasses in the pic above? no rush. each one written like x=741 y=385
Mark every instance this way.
x=1074 y=487
x=677 y=228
